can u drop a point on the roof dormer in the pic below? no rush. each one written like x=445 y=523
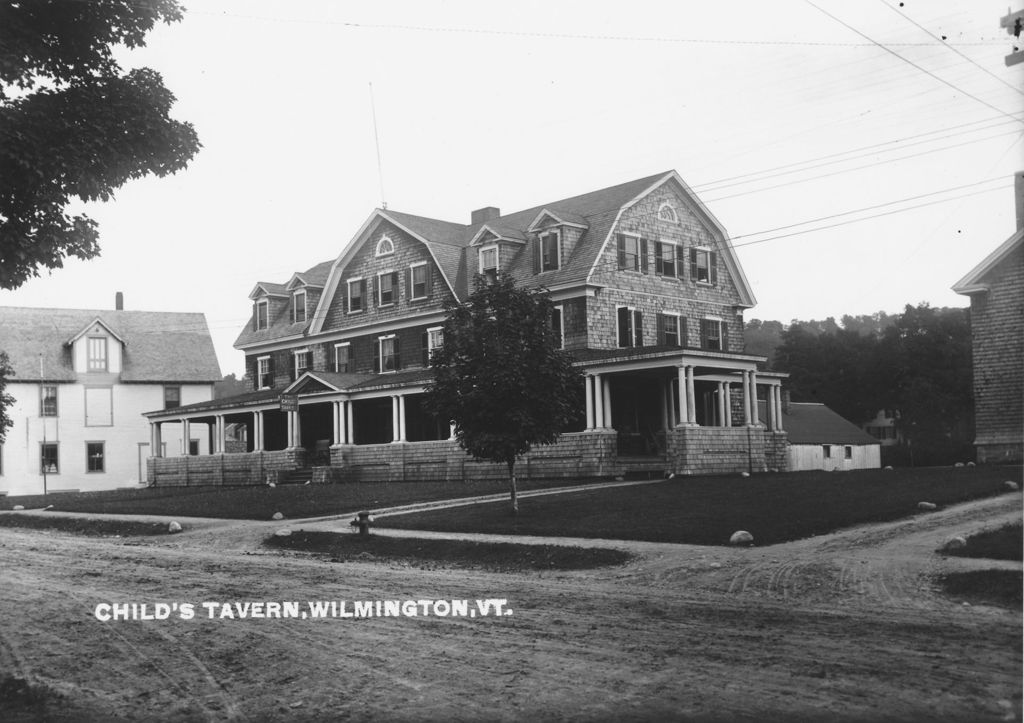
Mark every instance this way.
x=96 y=349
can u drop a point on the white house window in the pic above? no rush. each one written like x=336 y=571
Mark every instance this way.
x=667 y=213
x=549 y=251
x=49 y=459
x=299 y=306
x=262 y=314
x=387 y=288
x=703 y=266
x=489 y=262
x=630 y=327
x=95 y=457
x=385 y=247
x=48 y=401
x=356 y=295
x=712 y=334
x=434 y=339
x=172 y=397
x=301 y=358
x=666 y=262
x=419 y=281
x=826 y=451
x=557 y=327
x=264 y=372
x=97 y=354
x=848 y=452
x=669 y=332
x=341 y=358
x=632 y=253
x=388 y=353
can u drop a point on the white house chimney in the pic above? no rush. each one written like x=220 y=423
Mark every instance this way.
x=119 y=301
x=483 y=215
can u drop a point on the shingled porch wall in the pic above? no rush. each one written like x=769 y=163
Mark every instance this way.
x=247 y=468
x=717 y=450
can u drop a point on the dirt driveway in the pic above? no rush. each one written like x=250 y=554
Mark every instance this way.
x=839 y=627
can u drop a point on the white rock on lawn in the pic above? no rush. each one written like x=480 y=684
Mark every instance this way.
x=283 y=532
x=741 y=537
x=277 y=516
x=927 y=506
x=18 y=507
x=173 y=527
x=1008 y=484
x=955 y=543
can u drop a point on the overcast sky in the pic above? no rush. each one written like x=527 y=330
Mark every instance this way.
x=860 y=154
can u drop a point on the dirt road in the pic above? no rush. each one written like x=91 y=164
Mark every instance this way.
x=840 y=627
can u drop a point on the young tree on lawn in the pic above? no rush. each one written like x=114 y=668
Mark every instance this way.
x=74 y=125
x=500 y=376
x=6 y=400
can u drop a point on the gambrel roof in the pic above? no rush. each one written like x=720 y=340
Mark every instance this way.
x=158 y=346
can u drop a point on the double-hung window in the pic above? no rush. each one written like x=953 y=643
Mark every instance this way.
x=630 y=327
x=356 y=295
x=419 y=280
x=703 y=266
x=489 y=262
x=670 y=330
x=387 y=288
x=261 y=315
x=666 y=262
x=387 y=354
x=341 y=357
x=264 y=372
x=49 y=458
x=433 y=339
x=48 y=401
x=299 y=306
x=94 y=457
x=301 y=362
x=172 y=397
x=713 y=335
x=549 y=251
x=632 y=253
x=97 y=354
x=557 y=328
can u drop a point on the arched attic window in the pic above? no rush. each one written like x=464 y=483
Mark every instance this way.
x=667 y=213
x=385 y=247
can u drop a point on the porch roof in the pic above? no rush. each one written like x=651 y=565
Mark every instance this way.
x=585 y=357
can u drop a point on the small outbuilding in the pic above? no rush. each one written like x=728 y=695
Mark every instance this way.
x=821 y=439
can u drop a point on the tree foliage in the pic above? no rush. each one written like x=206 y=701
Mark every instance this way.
x=499 y=375
x=74 y=125
x=917 y=363
x=6 y=400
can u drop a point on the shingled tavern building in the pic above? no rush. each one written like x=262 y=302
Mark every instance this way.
x=82 y=381
x=649 y=299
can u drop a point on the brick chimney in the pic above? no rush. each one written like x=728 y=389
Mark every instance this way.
x=1018 y=192
x=483 y=215
x=119 y=301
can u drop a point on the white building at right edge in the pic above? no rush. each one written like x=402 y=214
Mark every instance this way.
x=82 y=380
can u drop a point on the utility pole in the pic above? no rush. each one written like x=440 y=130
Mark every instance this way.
x=42 y=418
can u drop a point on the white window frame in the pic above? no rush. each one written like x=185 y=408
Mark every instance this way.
x=412 y=281
x=380 y=353
x=672 y=216
x=295 y=306
x=717 y=322
x=679 y=327
x=264 y=305
x=560 y=308
x=102 y=456
x=92 y=362
x=675 y=258
x=168 y=387
x=348 y=362
x=431 y=346
x=380 y=288
x=638 y=258
x=484 y=250
x=826 y=451
x=263 y=369
x=558 y=249
x=295 y=361
x=633 y=311
x=56 y=448
x=348 y=289
x=385 y=247
x=43 y=397
x=706 y=252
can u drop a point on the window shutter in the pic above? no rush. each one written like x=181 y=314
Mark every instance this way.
x=398 y=355
x=725 y=336
x=658 y=259
x=638 y=328
x=536 y=255
x=643 y=256
x=376 y=358
x=682 y=331
x=713 y=263
x=408 y=283
x=621 y=240
x=367 y=287
x=680 y=262
x=623 y=323
x=255 y=318
x=429 y=280
x=693 y=265
x=703 y=333
x=659 y=322
x=394 y=287
x=425 y=346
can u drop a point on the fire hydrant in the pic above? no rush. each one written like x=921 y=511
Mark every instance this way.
x=363 y=522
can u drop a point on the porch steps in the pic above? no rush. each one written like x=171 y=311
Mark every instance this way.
x=297 y=476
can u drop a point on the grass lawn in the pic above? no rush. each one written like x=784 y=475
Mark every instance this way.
x=985 y=587
x=83 y=526
x=261 y=502
x=493 y=556
x=706 y=511
x=1006 y=543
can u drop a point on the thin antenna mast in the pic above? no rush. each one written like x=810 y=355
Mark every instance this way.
x=376 y=139
x=42 y=393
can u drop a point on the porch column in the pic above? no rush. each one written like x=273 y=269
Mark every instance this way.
x=753 y=398
x=335 y=423
x=155 y=443
x=721 y=404
x=221 y=432
x=670 y=402
x=185 y=436
x=665 y=423
x=588 y=392
x=294 y=431
x=257 y=431
x=349 y=429
x=681 y=388
x=728 y=404
x=598 y=393
x=606 y=393
x=691 y=398
x=778 y=407
x=394 y=418
x=401 y=417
